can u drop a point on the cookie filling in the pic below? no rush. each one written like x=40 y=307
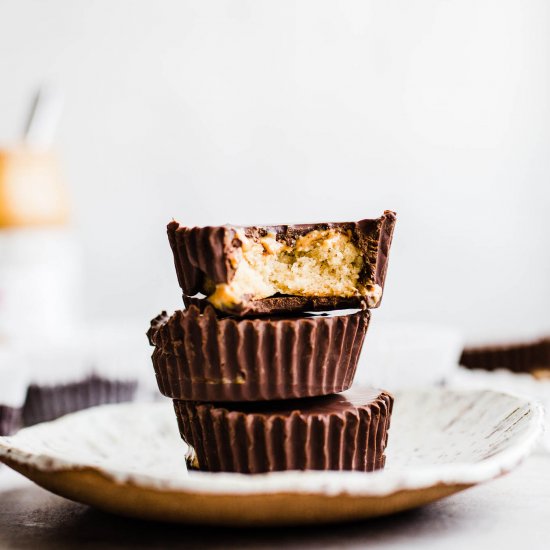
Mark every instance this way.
x=321 y=263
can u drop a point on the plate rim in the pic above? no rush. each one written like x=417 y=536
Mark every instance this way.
x=319 y=483
x=233 y=510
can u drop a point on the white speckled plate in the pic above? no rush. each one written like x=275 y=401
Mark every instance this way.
x=129 y=459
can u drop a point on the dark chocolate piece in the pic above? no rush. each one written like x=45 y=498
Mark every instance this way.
x=10 y=419
x=337 y=432
x=205 y=256
x=44 y=403
x=518 y=357
x=281 y=305
x=205 y=357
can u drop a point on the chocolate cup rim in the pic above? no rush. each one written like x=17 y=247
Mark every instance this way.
x=164 y=318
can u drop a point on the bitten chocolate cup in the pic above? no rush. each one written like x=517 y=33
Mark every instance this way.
x=348 y=431
x=204 y=357
x=266 y=270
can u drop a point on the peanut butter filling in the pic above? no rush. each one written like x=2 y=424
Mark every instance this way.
x=321 y=263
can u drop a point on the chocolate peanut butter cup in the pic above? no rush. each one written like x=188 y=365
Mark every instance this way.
x=530 y=356
x=201 y=356
x=10 y=419
x=48 y=402
x=262 y=270
x=348 y=431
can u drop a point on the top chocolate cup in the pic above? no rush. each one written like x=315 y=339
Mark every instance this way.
x=267 y=270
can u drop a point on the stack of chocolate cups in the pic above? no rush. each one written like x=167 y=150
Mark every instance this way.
x=261 y=382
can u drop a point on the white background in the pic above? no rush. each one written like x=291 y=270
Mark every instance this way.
x=279 y=111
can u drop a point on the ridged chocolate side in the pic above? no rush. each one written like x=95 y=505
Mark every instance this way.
x=45 y=403
x=343 y=437
x=517 y=357
x=207 y=253
x=200 y=251
x=203 y=357
x=10 y=419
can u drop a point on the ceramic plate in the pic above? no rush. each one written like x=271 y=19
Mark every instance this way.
x=129 y=459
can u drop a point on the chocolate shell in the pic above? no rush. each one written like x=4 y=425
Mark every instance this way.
x=205 y=357
x=205 y=255
x=284 y=305
x=45 y=403
x=530 y=356
x=10 y=419
x=337 y=432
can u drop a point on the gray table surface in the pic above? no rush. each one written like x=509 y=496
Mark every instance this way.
x=510 y=512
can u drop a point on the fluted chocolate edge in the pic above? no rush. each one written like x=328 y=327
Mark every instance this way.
x=232 y=441
x=44 y=403
x=10 y=419
x=528 y=356
x=207 y=253
x=203 y=357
